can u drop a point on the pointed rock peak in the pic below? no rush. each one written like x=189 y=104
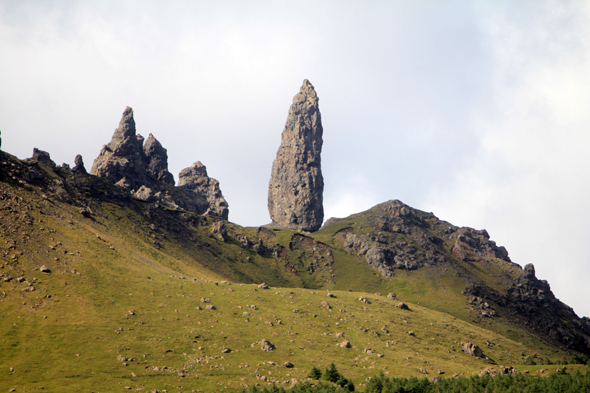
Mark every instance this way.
x=306 y=94
x=157 y=160
x=189 y=175
x=127 y=124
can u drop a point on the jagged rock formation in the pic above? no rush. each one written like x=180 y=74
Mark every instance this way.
x=123 y=157
x=295 y=192
x=142 y=168
x=157 y=161
x=201 y=193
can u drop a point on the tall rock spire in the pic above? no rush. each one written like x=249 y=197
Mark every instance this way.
x=295 y=192
x=123 y=157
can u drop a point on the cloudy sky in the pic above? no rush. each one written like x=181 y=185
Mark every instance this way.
x=478 y=111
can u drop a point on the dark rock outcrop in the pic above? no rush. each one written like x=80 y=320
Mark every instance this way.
x=200 y=193
x=142 y=169
x=123 y=157
x=79 y=164
x=295 y=193
x=157 y=161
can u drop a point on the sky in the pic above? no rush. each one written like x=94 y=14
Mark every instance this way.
x=477 y=111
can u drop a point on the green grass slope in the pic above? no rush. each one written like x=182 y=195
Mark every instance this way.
x=124 y=305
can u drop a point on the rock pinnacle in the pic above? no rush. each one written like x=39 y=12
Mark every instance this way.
x=295 y=193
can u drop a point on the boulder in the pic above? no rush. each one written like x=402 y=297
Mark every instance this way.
x=266 y=345
x=472 y=350
x=295 y=192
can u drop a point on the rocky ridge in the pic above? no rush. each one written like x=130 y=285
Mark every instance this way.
x=142 y=169
x=295 y=192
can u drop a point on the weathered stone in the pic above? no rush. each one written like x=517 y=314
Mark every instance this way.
x=403 y=306
x=266 y=345
x=472 y=349
x=143 y=194
x=42 y=158
x=200 y=193
x=263 y=286
x=326 y=305
x=79 y=164
x=345 y=344
x=157 y=161
x=123 y=157
x=44 y=269
x=295 y=193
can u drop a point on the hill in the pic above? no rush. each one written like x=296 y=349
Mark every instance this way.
x=102 y=290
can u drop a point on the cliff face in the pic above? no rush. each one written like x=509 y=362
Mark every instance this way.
x=295 y=192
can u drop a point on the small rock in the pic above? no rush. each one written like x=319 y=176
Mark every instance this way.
x=411 y=333
x=225 y=350
x=211 y=308
x=266 y=345
x=345 y=344
x=44 y=269
x=403 y=306
x=288 y=365
x=326 y=305
x=392 y=296
x=263 y=286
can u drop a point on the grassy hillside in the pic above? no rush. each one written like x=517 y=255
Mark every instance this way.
x=124 y=304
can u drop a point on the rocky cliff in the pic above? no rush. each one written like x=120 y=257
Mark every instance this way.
x=295 y=192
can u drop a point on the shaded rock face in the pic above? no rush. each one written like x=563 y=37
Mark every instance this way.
x=200 y=193
x=157 y=161
x=295 y=193
x=123 y=157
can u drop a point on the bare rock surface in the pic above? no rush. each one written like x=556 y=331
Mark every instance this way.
x=142 y=169
x=157 y=161
x=123 y=157
x=295 y=193
x=201 y=193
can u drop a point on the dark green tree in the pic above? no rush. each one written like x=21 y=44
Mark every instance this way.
x=315 y=373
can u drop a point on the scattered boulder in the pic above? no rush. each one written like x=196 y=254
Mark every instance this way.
x=266 y=345
x=392 y=296
x=472 y=350
x=44 y=269
x=403 y=306
x=295 y=192
x=364 y=300
x=211 y=308
x=263 y=286
x=326 y=305
x=345 y=344
x=289 y=365
x=225 y=350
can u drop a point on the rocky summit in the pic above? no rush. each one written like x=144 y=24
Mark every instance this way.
x=295 y=192
x=142 y=169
